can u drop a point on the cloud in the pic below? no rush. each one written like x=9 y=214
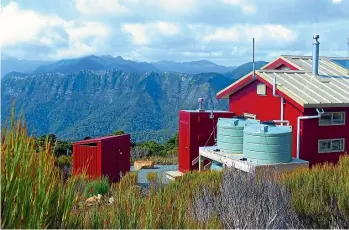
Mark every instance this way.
x=143 y=34
x=65 y=38
x=208 y=54
x=22 y=26
x=99 y=7
x=246 y=7
x=96 y=7
x=138 y=33
x=166 y=28
x=181 y=30
x=175 y=6
x=241 y=33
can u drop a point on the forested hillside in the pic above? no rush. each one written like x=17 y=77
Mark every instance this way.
x=97 y=102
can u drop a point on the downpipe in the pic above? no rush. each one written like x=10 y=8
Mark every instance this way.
x=319 y=111
x=282 y=101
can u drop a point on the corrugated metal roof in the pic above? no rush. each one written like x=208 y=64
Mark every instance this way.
x=326 y=66
x=97 y=139
x=329 y=89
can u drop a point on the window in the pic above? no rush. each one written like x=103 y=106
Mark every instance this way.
x=331 y=145
x=332 y=118
x=261 y=89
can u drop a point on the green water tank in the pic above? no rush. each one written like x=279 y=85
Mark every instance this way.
x=267 y=143
x=230 y=133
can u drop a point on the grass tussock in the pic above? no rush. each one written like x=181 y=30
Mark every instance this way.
x=33 y=194
x=165 y=207
x=95 y=187
x=320 y=195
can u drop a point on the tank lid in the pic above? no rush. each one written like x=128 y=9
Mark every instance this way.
x=267 y=129
x=240 y=122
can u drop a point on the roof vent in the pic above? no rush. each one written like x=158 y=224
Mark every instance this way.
x=201 y=106
x=316 y=44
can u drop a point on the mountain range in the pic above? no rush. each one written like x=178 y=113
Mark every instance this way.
x=85 y=97
x=93 y=62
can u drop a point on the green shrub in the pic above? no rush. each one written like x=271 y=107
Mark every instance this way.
x=320 y=194
x=64 y=160
x=118 y=132
x=95 y=187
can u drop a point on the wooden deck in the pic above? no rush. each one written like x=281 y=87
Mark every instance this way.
x=234 y=160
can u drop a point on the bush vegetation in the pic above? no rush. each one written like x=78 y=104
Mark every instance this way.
x=95 y=187
x=320 y=195
x=64 y=160
x=149 y=150
x=59 y=147
x=160 y=153
x=34 y=195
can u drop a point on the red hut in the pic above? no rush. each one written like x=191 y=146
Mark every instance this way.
x=104 y=156
x=311 y=92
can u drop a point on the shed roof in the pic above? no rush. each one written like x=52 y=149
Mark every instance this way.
x=98 y=139
x=328 y=89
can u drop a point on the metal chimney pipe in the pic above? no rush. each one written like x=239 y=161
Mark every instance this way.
x=316 y=44
x=201 y=106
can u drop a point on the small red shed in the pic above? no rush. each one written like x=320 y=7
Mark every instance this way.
x=104 y=156
x=196 y=128
x=310 y=92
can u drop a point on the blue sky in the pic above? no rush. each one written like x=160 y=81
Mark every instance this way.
x=150 y=30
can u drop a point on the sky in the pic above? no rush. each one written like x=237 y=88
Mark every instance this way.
x=181 y=30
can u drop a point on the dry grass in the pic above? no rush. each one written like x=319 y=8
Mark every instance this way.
x=165 y=207
x=321 y=194
x=33 y=194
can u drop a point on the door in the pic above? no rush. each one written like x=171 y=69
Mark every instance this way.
x=183 y=155
x=85 y=160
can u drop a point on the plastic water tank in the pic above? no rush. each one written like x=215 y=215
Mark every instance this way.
x=230 y=133
x=267 y=143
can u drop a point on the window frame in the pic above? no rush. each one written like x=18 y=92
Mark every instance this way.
x=332 y=124
x=331 y=150
x=265 y=89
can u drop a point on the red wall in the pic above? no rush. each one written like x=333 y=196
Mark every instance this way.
x=106 y=156
x=195 y=130
x=311 y=132
x=116 y=157
x=279 y=63
x=266 y=107
x=87 y=159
